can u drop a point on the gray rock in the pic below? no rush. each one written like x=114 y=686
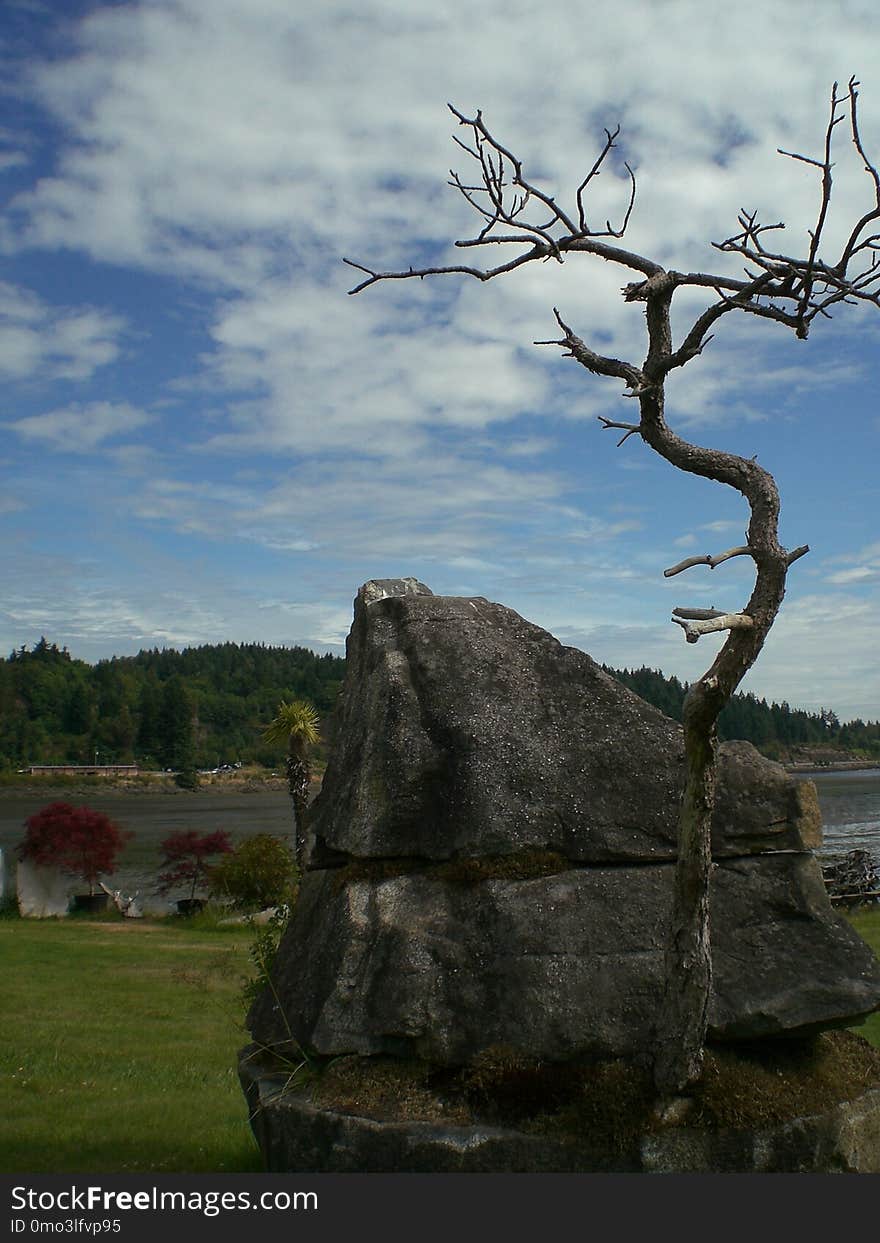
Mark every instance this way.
x=558 y=966
x=758 y=806
x=465 y=730
x=491 y=865
x=295 y=1135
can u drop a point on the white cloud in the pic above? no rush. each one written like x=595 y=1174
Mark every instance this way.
x=822 y=652
x=80 y=428
x=863 y=567
x=38 y=341
x=247 y=146
x=859 y=574
x=243 y=149
x=364 y=511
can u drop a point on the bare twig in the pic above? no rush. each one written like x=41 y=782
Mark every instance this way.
x=594 y=172
x=597 y=363
x=742 y=551
x=629 y=428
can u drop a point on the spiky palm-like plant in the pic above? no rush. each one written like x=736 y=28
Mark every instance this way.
x=296 y=724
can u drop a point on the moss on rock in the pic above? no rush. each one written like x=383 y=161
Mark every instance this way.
x=747 y=1086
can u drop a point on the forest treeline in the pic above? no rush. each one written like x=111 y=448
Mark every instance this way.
x=201 y=707
x=777 y=730
x=208 y=705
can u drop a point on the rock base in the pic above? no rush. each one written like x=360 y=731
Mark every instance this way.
x=298 y=1134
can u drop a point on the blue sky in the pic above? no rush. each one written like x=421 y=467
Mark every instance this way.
x=204 y=438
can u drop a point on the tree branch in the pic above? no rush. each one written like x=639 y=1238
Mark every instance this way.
x=597 y=363
x=630 y=428
x=697 y=614
x=742 y=551
x=537 y=252
x=506 y=195
x=798 y=552
x=694 y=630
x=808 y=282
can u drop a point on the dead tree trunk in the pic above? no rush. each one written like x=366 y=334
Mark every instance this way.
x=788 y=289
x=681 y=1026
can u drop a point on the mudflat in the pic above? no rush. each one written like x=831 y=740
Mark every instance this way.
x=241 y=810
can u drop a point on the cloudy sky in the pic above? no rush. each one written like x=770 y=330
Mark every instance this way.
x=205 y=438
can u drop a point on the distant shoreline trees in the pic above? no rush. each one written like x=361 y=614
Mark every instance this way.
x=57 y=710
x=202 y=706
x=773 y=728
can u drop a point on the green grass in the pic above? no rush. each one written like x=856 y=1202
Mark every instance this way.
x=120 y=1039
x=119 y=1047
x=867 y=924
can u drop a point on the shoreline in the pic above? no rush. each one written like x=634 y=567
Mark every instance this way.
x=76 y=787
x=802 y=767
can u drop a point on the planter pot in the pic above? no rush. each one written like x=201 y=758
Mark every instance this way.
x=91 y=903
x=190 y=906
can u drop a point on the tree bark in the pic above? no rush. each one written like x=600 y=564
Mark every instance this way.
x=681 y=1029
x=298 y=780
x=682 y=1021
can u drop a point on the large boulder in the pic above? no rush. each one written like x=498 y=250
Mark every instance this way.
x=442 y=966
x=465 y=730
x=491 y=859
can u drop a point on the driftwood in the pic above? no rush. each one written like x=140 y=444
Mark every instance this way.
x=852 y=878
x=126 y=906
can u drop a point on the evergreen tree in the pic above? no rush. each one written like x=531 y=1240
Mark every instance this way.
x=176 y=737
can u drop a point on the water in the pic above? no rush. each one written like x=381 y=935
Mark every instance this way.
x=850 y=803
x=151 y=817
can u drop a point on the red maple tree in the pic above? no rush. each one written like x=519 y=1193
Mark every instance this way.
x=78 y=840
x=186 y=854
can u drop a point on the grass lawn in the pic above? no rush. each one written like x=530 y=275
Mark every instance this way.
x=118 y=1048
x=866 y=922
x=119 y=1045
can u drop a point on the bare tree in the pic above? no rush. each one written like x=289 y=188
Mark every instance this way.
x=789 y=289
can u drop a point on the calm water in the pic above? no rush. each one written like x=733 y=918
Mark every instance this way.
x=151 y=817
x=850 y=803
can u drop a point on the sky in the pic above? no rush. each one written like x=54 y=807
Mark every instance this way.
x=205 y=438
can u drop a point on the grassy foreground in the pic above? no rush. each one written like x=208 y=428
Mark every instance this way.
x=867 y=924
x=118 y=1050
x=119 y=1044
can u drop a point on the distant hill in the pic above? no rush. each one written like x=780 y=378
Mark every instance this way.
x=208 y=705
x=778 y=730
x=162 y=708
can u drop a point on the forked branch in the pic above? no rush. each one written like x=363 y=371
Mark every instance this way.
x=516 y=211
x=808 y=285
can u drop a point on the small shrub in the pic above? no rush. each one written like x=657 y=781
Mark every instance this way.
x=187 y=854
x=259 y=873
x=262 y=952
x=78 y=840
x=187 y=779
